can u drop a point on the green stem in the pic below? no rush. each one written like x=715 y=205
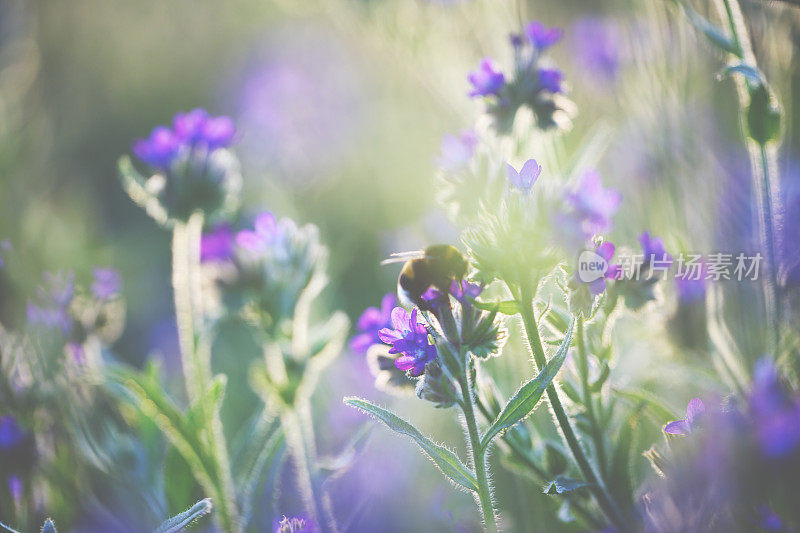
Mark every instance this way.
x=763 y=162
x=524 y=457
x=297 y=425
x=601 y=493
x=588 y=400
x=478 y=453
x=196 y=361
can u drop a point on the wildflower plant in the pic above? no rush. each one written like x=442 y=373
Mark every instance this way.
x=270 y=274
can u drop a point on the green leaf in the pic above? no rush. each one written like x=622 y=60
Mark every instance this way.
x=447 y=461
x=528 y=396
x=712 y=33
x=562 y=485
x=650 y=401
x=179 y=522
x=752 y=74
x=505 y=307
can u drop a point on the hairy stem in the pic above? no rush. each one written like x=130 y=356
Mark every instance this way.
x=297 y=425
x=478 y=453
x=588 y=400
x=525 y=459
x=196 y=361
x=601 y=493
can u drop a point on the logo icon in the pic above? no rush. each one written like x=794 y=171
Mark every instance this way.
x=591 y=266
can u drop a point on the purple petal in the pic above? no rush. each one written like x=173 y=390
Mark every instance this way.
x=679 y=427
x=361 y=342
x=530 y=171
x=405 y=362
x=389 y=336
x=400 y=319
x=606 y=250
x=694 y=409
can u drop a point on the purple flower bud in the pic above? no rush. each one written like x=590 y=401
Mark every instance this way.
x=158 y=150
x=541 y=36
x=107 y=283
x=409 y=338
x=526 y=177
x=371 y=322
x=53 y=298
x=464 y=290
x=217 y=245
x=457 y=150
x=197 y=127
x=10 y=432
x=264 y=235
x=592 y=205
x=653 y=249
x=15 y=486
x=486 y=80
x=550 y=79
x=695 y=410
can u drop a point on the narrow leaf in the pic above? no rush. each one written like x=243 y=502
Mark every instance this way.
x=179 y=522
x=562 y=485
x=446 y=460
x=526 y=398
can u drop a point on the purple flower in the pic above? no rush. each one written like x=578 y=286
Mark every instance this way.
x=541 y=36
x=486 y=80
x=464 y=290
x=775 y=413
x=691 y=286
x=53 y=298
x=653 y=249
x=457 y=150
x=107 y=283
x=592 y=205
x=10 y=432
x=264 y=235
x=597 y=285
x=15 y=486
x=550 y=79
x=371 y=322
x=159 y=149
x=217 y=245
x=695 y=410
x=197 y=127
x=526 y=177
x=597 y=47
x=409 y=338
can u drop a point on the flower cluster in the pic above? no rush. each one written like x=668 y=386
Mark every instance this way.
x=76 y=314
x=535 y=85
x=409 y=338
x=272 y=265
x=192 y=168
x=728 y=466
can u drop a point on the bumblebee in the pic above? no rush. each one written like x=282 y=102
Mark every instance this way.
x=435 y=266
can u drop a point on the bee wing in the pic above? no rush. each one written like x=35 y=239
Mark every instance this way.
x=402 y=257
